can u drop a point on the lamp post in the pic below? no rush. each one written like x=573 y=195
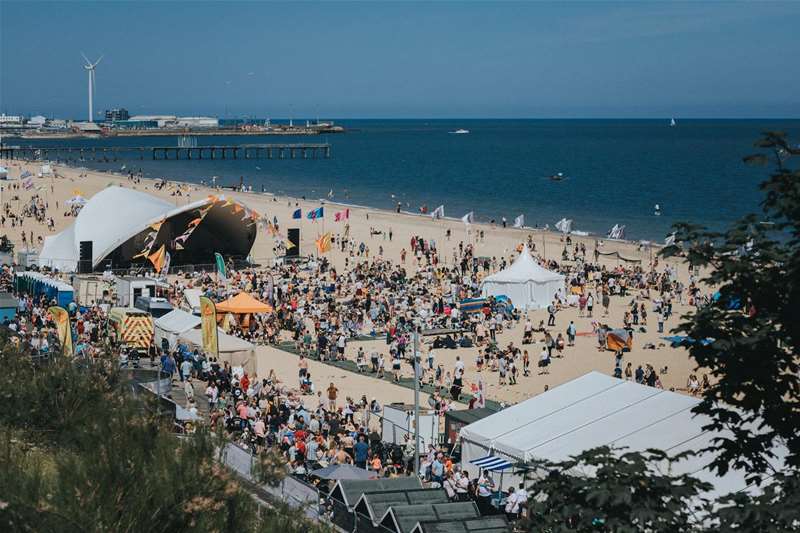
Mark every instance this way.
x=416 y=397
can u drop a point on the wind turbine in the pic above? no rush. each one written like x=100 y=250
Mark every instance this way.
x=91 y=68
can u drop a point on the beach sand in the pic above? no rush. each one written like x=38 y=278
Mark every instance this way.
x=498 y=242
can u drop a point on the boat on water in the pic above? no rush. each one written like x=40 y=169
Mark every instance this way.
x=557 y=177
x=672 y=122
x=460 y=131
x=657 y=210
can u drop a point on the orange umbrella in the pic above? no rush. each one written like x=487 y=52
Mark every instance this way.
x=243 y=303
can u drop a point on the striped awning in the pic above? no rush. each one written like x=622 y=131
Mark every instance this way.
x=492 y=463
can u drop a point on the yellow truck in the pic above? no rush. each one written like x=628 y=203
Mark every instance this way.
x=131 y=327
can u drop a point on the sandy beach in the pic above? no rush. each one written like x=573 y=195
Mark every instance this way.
x=372 y=226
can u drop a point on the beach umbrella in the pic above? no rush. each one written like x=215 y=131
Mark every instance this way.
x=337 y=472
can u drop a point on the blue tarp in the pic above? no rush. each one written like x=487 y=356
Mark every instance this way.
x=682 y=340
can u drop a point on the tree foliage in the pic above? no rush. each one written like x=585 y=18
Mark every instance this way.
x=755 y=266
x=609 y=490
x=79 y=453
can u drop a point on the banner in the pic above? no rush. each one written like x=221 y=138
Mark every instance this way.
x=63 y=328
x=220 y=265
x=297 y=214
x=438 y=212
x=159 y=258
x=519 y=221
x=316 y=213
x=469 y=218
x=341 y=215
x=208 y=323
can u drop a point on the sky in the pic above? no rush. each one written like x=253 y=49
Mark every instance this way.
x=404 y=59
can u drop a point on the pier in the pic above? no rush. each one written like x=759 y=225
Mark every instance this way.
x=170 y=153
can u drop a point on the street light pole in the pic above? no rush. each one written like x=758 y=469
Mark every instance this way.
x=416 y=398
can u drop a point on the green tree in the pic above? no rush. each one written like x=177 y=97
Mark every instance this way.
x=79 y=453
x=755 y=266
x=605 y=489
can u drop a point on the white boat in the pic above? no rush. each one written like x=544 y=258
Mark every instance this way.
x=672 y=122
x=657 y=210
x=460 y=131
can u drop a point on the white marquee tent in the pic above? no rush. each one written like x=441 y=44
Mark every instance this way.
x=598 y=410
x=529 y=285
x=236 y=351
x=171 y=325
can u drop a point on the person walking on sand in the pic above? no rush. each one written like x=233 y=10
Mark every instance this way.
x=551 y=312
x=571 y=332
x=544 y=361
x=589 y=305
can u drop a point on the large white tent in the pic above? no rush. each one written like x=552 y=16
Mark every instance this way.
x=525 y=282
x=598 y=410
x=171 y=325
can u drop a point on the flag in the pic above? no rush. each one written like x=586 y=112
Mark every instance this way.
x=438 y=212
x=220 y=265
x=324 y=243
x=208 y=322
x=469 y=218
x=63 y=328
x=298 y=213
x=272 y=229
x=564 y=225
x=330 y=194
x=159 y=258
x=28 y=183
x=316 y=213
x=24 y=175
x=670 y=240
x=341 y=215
x=288 y=244
x=519 y=221
x=617 y=232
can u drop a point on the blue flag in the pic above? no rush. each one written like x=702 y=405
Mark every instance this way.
x=297 y=214
x=316 y=213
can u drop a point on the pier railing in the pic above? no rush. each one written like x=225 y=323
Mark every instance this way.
x=170 y=153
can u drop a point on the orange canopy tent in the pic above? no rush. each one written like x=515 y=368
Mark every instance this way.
x=243 y=303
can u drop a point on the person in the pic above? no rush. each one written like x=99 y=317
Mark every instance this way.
x=462 y=487
x=589 y=305
x=512 y=506
x=571 y=333
x=332 y=393
x=437 y=469
x=361 y=452
x=485 y=488
x=544 y=361
x=551 y=312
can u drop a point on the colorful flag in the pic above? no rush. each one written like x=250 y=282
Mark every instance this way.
x=519 y=221
x=159 y=258
x=298 y=213
x=469 y=218
x=438 y=212
x=208 y=324
x=341 y=215
x=324 y=243
x=220 y=265
x=63 y=328
x=316 y=213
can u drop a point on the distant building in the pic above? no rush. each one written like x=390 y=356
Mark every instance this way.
x=113 y=115
x=197 y=122
x=87 y=128
x=10 y=121
x=37 y=122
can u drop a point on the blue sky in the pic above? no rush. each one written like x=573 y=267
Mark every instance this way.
x=403 y=59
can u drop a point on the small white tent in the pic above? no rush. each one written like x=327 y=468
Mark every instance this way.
x=173 y=324
x=529 y=285
x=236 y=351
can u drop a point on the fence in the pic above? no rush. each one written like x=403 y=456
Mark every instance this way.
x=290 y=490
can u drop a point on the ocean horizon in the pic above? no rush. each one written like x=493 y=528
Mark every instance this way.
x=616 y=170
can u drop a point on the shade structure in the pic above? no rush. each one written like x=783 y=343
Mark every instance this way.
x=121 y=223
x=492 y=463
x=236 y=351
x=337 y=472
x=525 y=282
x=171 y=325
x=243 y=303
x=598 y=410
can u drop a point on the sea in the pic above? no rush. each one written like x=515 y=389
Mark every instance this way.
x=615 y=171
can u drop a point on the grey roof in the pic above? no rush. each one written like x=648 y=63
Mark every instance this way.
x=376 y=504
x=486 y=524
x=403 y=518
x=349 y=491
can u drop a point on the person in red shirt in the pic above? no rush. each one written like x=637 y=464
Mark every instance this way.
x=244 y=383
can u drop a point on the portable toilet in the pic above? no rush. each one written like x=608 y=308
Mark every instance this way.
x=8 y=307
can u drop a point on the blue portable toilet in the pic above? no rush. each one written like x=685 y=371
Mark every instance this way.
x=8 y=307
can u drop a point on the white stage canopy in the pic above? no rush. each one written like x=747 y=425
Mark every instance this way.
x=171 y=325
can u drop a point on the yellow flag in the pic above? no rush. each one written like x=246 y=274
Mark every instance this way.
x=288 y=244
x=324 y=243
x=208 y=318
x=61 y=318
